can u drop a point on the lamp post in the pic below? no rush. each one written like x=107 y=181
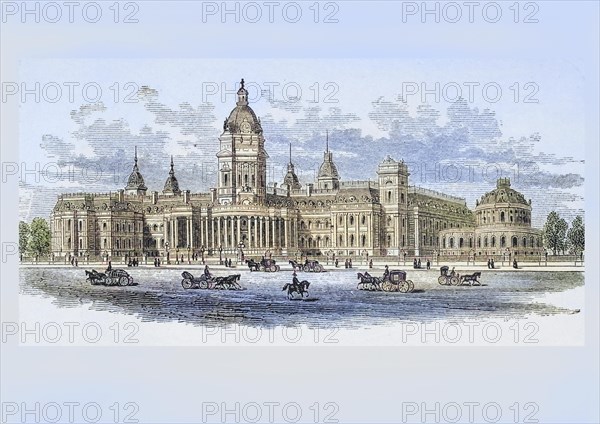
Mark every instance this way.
x=437 y=257
x=177 y=255
x=202 y=250
x=188 y=249
x=167 y=253
x=220 y=254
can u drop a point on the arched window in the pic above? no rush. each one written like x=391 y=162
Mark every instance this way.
x=493 y=241
x=485 y=242
x=104 y=225
x=514 y=241
x=444 y=242
x=502 y=218
x=389 y=196
x=478 y=241
x=502 y=241
x=352 y=240
x=524 y=241
x=80 y=225
x=364 y=220
x=470 y=242
x=225 y=179
x=351 y=219
x=341 y=240
x=460 y=242
x=451 y=242
x=364 y=240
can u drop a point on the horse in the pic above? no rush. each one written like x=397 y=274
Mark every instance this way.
x=95 y=277
x=472 y=279
x=368 y=282
x=297 y=266
x=252 y=265
x=299 y=288
x=229 y=283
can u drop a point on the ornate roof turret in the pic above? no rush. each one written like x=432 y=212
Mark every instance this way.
x=328 y=177
x=503 y=194
x=171 y=185
x=135 y=183
x=291 y=179
x=328 y=168
x=242 y=118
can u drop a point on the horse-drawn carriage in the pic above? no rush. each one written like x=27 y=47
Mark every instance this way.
x=229 y=282
x=266 y=265
x=111 y=277
x=453 y=278
x=394 y=281
x=307 y=266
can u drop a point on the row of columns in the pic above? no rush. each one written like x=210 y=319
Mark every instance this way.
x=259 y=232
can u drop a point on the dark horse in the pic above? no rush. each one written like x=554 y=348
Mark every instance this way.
x=228 y=283
x=254 y=266
x=297 y=266
x=472 y=279
x=368 y=282
x=95 y=277
x=300 y=288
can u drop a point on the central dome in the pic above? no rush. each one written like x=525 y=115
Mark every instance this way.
x=242 y=118
x=503 y=194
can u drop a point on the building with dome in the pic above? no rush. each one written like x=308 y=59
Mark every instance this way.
x=502 y=227
x=329 y=217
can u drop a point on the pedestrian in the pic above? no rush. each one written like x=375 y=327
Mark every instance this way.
x=492 y=263
x=350 y=263
x=158 y=262
x=415 y=263
x=489 y=263
x=229 y=262
x=226 y=263
x=515 y=266
x=336 y=263
x=428 y=264
x=419 y=263
x=346 y=263
x=78 y=265
x=371 y=263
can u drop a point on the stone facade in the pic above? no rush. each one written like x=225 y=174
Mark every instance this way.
x=502 y=227
x=329 y=217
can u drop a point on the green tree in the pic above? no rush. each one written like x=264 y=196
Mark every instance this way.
x=554 y=233
x=23 y=237
x=576 y=235
x=39 y=240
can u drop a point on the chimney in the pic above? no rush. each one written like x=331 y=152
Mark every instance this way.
x=154 y=197
x=186 y=196
x=213 y=192
x=121 y=195
x=309 y=189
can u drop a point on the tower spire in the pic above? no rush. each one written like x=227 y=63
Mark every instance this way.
x=172 y=171
x=135 y=154
x=290 y=152
x=327 y=141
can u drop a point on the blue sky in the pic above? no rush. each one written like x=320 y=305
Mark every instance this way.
x=458 y=123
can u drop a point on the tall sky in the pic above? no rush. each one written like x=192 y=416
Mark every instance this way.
x=459 y=124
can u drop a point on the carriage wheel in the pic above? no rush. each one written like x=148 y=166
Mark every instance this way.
x=411 y=286
x=186 y=284
x=319 y=268
x=273 y=268
x=387 y=286
x=123 y=281
x=454 y=280
x=403 y=287
x=203 y=284
x=442 y=280
x=278 y=268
